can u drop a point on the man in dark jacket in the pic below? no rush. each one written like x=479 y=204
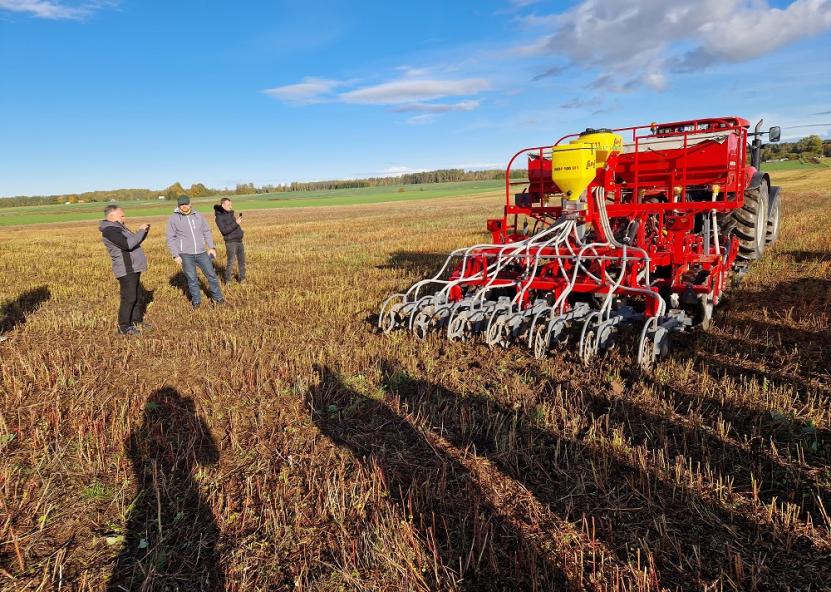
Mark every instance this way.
x=230 y=225
x=191 y=244
x=124 y=248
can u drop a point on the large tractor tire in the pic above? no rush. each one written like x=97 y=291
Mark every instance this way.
x=772 y=233
x=750 y=223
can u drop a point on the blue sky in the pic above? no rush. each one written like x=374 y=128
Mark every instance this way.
x=128 y=93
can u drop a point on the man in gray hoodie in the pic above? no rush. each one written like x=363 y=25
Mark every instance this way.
x=124 y=248
x=191 y=244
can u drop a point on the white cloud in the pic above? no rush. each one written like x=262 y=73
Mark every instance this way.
x=422 y=119
x=410 y=72
x=438 y=107
x=54 y=9
x=749 y=33
x=404 y=95
x=632 y=44
x=397 y=171
x=413 y=91
x=582 y=103
x=311 y=90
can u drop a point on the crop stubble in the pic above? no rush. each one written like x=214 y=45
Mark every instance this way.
x=346 y=460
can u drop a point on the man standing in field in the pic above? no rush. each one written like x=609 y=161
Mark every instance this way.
x=124 y=248
x=229 y=225
x=191 y=244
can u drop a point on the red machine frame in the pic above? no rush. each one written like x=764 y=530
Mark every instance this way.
x=651 y=214
x=694 y=169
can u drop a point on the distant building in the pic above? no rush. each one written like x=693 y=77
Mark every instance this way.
x=161 y=197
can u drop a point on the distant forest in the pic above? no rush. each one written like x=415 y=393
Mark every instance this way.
x=199 y=190
x=810 y=148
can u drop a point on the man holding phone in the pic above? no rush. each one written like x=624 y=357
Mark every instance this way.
x=230 y=225
x=191 y=244
x=128 y=260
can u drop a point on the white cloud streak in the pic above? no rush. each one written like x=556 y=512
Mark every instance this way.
x=405 y=95
x=413 y=91
x=438 y=107
x=53 y=9
x=311 y=90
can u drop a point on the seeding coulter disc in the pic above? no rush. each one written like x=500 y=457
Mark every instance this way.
x=587 y=348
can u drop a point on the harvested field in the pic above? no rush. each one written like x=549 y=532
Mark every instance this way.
x=280 y=443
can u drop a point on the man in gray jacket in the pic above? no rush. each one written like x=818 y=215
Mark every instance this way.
x=191 y=244
x=124 y=248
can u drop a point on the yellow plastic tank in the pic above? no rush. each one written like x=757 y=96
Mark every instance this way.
x=573 y=167
x=604 y=142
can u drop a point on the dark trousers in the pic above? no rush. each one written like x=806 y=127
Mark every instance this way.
x=203 y=262
x=234 y=250
x=129 y=312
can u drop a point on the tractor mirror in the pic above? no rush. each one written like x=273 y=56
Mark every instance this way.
x=774 y=134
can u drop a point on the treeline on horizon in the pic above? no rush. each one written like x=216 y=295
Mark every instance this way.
x=199 y=190
x=809 y=149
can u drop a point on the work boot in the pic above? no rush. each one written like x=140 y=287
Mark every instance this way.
x=130 y=331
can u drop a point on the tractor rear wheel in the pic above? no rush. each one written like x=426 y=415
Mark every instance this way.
x=750 y=223
x=772 y=234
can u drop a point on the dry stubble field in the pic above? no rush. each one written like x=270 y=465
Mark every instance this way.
x=280 y=443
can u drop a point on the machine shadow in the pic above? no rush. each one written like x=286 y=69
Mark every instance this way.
x=15 y=312
x=171 y=535
x=753 y=465
x=418 y=263
x=775 y=348
x=695 y=540
x=446 y=505
x=807 y=256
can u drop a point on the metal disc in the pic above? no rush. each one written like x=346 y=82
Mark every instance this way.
x=540 y=341
x=422 y=323
x=647 y=354
x=588 y=338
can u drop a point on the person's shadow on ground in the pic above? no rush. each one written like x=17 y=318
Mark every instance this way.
x=180 y=281
x=145 y=299
x=171 y=535
x=15 y=312
x=474 y=547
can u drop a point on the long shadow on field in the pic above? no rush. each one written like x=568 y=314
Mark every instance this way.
x=807 y=256
x=416 y=262
x=445 y=503
x=755 y=464
x=633 y=499
x=171 y=534
x=15 y=312
x=771 y=346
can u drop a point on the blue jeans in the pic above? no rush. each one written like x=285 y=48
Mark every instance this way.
x=203 y=261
